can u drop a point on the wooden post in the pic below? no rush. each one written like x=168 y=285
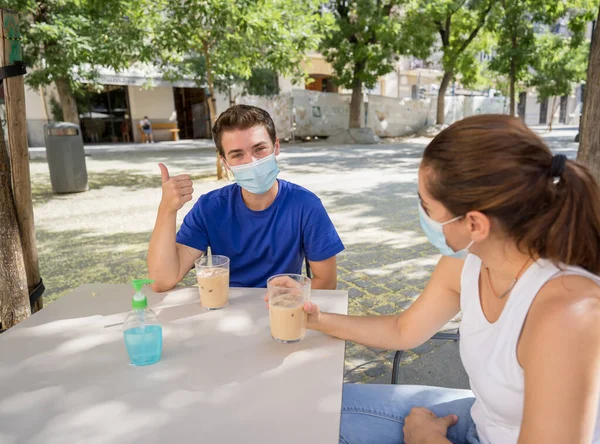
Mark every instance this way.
x=14 y=295
x=14 y=96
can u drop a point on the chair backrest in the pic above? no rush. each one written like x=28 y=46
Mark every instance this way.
x=308 y=270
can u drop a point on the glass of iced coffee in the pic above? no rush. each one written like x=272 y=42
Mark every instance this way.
x=212 y=273
x=287 y=294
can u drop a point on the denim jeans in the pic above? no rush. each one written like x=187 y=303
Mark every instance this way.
x=373 y=413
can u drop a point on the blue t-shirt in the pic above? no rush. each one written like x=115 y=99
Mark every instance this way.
x=261 y=244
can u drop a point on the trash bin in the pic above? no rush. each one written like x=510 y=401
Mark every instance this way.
x=66 y=157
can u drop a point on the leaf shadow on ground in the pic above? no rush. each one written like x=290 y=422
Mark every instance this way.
x=132 y=178
x=71 y=258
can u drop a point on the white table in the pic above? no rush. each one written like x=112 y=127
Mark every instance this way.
x=65 y=376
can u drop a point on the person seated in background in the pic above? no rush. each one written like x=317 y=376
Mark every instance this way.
x=264 y=225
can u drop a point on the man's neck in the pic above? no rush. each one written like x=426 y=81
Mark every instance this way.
x=260 y=202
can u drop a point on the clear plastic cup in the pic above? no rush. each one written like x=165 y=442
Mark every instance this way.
x=212 y=273
x=287 y=294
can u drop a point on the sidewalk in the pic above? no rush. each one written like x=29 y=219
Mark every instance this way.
x=96 y=149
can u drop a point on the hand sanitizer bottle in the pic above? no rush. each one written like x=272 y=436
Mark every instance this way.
x=142 y=330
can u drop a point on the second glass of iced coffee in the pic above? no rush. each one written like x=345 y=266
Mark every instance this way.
x=212 y=273
x=287 y=294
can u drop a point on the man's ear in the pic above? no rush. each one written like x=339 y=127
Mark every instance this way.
x=277 y=147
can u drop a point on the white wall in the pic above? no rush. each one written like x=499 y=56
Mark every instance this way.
x=157 y=103
x=280 y=109
x=392 y=117
x=486 y=105
x=34 y=104
x=326 y=114
x=222 y=101
x=533 y=108
x=459 y=107
x=391 y=85
x=36 y=117
x=454 y=109
x=286 y=85
x=320 y=114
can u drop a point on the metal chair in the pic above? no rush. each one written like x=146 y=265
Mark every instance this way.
x=398 y=356
x=444 y=336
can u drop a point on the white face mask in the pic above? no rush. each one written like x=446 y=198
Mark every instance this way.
x=256 y=177
x=435 y=234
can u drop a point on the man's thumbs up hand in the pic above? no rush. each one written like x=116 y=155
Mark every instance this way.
x=176 y=190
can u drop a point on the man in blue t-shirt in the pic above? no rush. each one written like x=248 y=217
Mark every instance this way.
x=264 y=225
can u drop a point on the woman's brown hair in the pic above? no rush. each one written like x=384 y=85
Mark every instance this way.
x=496 y=165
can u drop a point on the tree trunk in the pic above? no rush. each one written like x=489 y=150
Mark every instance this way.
x=589 y=139
x=14 y=295
x=553 y=111
x=511 y=88
x=212 y=108
x=45 y=103
x=67 y=101
x=355 y=105
x=231 y=97
x=512 y=77
x=440 y=118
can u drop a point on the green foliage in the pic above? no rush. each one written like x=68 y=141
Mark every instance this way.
x=364 y=41
x=468 y=68
x=262 y=82
x=515 y=49
x=454 y=27
x=557 y=65
x=580 y=13
x=70 y=39
x=56 y=110
x=518 y=24
x=221 y=41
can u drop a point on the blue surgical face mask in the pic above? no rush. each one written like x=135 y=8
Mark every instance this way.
x=257 y=177
x=435 y=234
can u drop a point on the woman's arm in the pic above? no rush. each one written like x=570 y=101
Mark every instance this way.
x=559 y=351
x=439 y=302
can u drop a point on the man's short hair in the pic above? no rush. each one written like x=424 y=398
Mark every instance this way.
x=241 y=117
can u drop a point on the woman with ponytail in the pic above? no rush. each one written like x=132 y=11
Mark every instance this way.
x=519 y=230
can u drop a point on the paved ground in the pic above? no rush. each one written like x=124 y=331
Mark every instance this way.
x=370 y=192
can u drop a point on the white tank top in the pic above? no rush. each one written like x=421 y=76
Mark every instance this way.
x=489 y=351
